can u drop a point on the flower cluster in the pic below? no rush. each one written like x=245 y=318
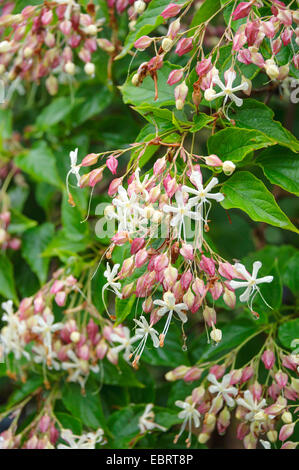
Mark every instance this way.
x=258 y=41
x=67 y=345
x=6 y=239
x=265 y=413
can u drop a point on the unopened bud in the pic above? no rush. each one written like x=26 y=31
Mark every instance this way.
x=228 y=167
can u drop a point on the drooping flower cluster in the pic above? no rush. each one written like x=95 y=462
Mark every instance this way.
x=258 y=41
x=65 y=345
x=266 y=414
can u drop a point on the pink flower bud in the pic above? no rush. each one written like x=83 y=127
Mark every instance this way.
x=207 y=265
x=209 y=315
x=112 y=164
x=186 y=279
x=193 y=373
x=95 y=176
x=189 y=298
x=57 y=286
x=60 y=298
x=176 y=374
x=170 y=185
x=44 y=423
x=247 y=374
x=281 y=379
x=170 y=276
x=187 y=251
x=143 y=42
x=235 y=376
x=286 y=36
x=227 y=270
x=39 y=303
x=229 y=298
x=242 y=10
x=171 y=10
x=274 y=391
x=245 y=56
x=148 y=305
x=276 y=46
x=65 y=27
x=242 y=431
x=159 y=166
x=141 y=258
x=198 y=286
x=289 y=445
x=128 y=290
x=120 y=238
x=46 y=17
x=173 y=29
x=137 y=244
x=256 y=390
x=216 y=290
x=83 y=352
x=127 y=268
x=90 y=159
x=268 y=359
x=257 y=59
x=285 y=16
x=14 y=244
x=203 y=67
x=101 y=349
x=223 y=421
x=213 y=160
x=251 y=32
x=198 y=394
x=286 y=431
x=92 y=330
x=268 y=28
x=296 y=61
x=175 y=76
x=114 y=185
x=183 y=46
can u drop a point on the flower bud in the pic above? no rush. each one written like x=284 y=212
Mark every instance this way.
x=174 y=28
x=287 y=417
x=95 y=176
x=139 y=6
x=229 y=298
x=176 y=374
x=159 y=166
x=189 y=298
x=203 y=438
x=216 y=335
x=69 y=68
x=187 y=251
x=183 y=46
x=180 y=94
x=271 y=69
x=171 y=10
x=213 y=160
x=75 y=336
x=143 y=42
x=242 y=10
x=268 y=359
x=127 y=290
x=89 y=68
x=194 y=373
x=286 y=431
x=228 y=167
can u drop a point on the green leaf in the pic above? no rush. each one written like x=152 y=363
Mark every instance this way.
x=234 y=334
x=291 y=274
x=85 y=407
x=123 y=308
x=234 y=144
x=146 y=23
x=145 y=93
x=31 y=385
x=207 y=9
x=288 y=332
x=54 y=113
x=244 y=191
x=96 y=99
x=5 y=124
x=124 y=425
x=19 y=222
x=40 y=164
x=71 y=221
x=7 y=283
x=281 y=167
x=200 y=120
x=171 y=354
x=122 y=375
x=256 y=115
x=69 y=422
x=64 y=247
x=35 y=240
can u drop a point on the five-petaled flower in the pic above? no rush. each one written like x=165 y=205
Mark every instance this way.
x=227 y=89
x=168 y=304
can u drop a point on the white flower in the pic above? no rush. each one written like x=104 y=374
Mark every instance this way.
x=251 y=404
x=74 y=167
x=190 y=415
x=12 y=334
x=45 y=327
x=251 y=282
x=142 y=333
x=168 y=304
x=129 y=210
x=42 y=356
x=201 y=199
x=181 y=211
x=146 y=420
x=125 y=343
x=141 y=186
x=78 y=369
x=265 y=444
x=227 y=88
x=86 y=441
x=223 y=388
x=110 y=275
